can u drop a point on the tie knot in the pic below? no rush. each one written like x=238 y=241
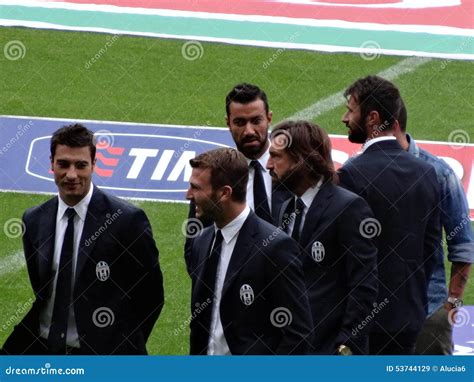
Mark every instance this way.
x=219 y=237
x=299 y=205
x=255 y=164
x=70 y=213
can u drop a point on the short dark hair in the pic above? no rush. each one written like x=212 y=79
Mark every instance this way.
x=403 y=116
x=228 y=168
x=307 y=144
x=245 y=93
x=75 y=135
x=374 y=93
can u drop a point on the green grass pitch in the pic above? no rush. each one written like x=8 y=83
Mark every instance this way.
x=148 y=80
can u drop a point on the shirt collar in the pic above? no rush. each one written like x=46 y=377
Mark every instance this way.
x=80 y=208
x=232 y=228
x=370 y=142
x=263 y=160
x=310 y=194
x=412 y=146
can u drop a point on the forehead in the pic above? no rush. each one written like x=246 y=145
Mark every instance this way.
x=250 y=109
x=352 y=102
x=200 y=176
x=72 y=154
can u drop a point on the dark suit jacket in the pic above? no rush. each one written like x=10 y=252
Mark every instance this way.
x=266 y=259
x=279 y=195
x=340 y=268
x=114 y=232
x=404 y=194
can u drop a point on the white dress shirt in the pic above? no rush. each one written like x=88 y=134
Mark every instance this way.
x=370 y=142
x=267 y=179
x=307 y=199
x=217 y=342
x=61 y=224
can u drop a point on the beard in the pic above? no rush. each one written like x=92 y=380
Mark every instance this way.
x=252 y=152
x=290 y=178
x=357 y=132
x=211 y=208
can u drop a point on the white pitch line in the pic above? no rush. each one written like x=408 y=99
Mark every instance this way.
x=12 y=263
x=337 y=99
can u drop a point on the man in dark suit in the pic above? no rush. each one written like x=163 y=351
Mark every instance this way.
x=248 y=119
x=92 y=263
x=403 y=193
x=339 y=261
x=248 y=293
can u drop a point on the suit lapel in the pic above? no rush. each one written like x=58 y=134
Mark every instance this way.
x=279 y=196
x=242 y=250
x=46 y=235
x=316 y=210
x=94 y=219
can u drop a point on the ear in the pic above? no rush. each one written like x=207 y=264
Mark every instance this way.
x=270 y=116
x=226 y=193
x=372 y=121
x=52 y=162
x=227 y=121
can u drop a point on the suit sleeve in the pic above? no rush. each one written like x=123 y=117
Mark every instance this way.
x=433 y=230
x=360 y=264
x=290 y=306
x=148 y=292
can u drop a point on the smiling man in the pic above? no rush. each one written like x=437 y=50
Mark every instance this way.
x=248 y=293
x=92 y=262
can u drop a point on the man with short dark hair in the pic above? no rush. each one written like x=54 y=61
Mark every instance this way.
x=436 y=338
x=92 y=263
x=339 y=261
x=403 y=193
x=248 y=119
x=248 y=293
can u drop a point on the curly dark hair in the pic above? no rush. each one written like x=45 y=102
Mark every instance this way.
x=374 y=93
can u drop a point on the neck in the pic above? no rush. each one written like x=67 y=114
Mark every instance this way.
x=301 y=188
x=229 y=213
x=403 y=141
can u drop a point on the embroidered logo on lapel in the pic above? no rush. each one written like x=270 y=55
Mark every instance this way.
x=102 y=271
x=246 y=294
x=317 y=251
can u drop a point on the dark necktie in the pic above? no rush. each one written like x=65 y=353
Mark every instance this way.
x=299 y=208
x=209 y=277
x=260 y=200
x=62 y=301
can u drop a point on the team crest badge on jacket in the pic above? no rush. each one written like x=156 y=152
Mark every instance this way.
x=102 y=271
x=317 y=251
x=246 y=294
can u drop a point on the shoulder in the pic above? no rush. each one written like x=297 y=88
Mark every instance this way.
x=113 y=203
x=37 y=211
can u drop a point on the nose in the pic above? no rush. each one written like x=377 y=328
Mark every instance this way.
x=189 y=194
x=345 y=118
x=71 y=173
x=249 y=129
x=270 y=164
